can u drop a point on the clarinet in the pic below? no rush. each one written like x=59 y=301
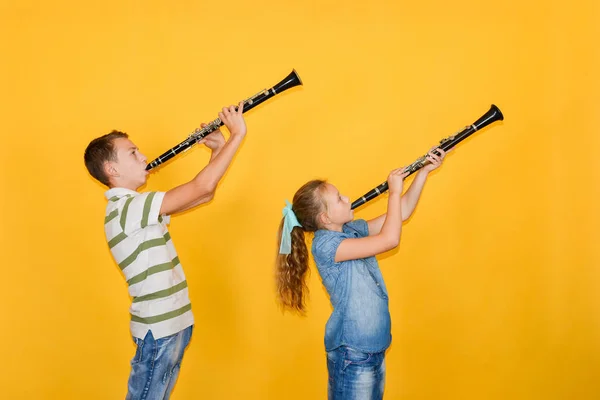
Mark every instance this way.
x=198 y=134
x=492 y=115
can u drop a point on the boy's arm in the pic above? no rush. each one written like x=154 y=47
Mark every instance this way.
x=202 y=187
x=214 y=141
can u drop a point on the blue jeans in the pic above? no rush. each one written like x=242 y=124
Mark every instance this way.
x=155 y=366
x=354 y=375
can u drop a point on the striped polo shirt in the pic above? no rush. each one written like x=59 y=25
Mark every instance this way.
x=142 y=247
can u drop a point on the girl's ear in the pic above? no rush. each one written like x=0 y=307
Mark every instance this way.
x=323 y=219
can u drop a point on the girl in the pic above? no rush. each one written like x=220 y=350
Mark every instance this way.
x=358 y=331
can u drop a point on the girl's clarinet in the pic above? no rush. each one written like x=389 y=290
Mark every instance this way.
x=493 y=114
x=198 y=134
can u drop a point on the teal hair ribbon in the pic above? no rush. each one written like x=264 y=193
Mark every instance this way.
x=289 y=222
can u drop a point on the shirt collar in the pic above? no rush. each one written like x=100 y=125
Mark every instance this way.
x=345 y=231
x=119 y=192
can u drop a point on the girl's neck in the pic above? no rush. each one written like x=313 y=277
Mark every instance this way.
x=334 y=227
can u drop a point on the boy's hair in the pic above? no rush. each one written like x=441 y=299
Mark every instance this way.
x=99 y=151
x=291 y=269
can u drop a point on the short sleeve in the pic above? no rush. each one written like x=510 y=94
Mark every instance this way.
x=141 y=211
x=324 y=248
x=359 y=226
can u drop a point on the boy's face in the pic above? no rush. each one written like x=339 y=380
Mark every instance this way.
x=130 y=166
x=339 y=209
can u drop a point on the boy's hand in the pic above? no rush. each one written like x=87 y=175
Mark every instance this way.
x=434 y=160
x=234 y=120
x=214 y=140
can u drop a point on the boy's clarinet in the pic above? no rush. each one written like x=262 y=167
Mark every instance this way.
x=198 y=134
x=493 y=114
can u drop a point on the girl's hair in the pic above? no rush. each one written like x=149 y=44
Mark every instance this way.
x=291 y=269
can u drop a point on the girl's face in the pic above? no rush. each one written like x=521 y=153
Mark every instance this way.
x=338 y=210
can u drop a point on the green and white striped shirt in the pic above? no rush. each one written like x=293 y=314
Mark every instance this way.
x=142 y=247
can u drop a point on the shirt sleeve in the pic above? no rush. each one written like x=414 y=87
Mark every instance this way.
x=141 y=211
x=359 y=226
x=325 y=248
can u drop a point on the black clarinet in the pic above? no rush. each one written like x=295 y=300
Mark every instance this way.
x=198 y=134
x=492 y=115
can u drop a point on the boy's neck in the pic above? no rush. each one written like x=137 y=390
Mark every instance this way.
x=123 y=185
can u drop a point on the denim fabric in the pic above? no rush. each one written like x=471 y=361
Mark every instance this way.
x=155 y=366
x=360 y=317
x=354 y=375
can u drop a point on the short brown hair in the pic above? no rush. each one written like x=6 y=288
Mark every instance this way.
x=99 y=151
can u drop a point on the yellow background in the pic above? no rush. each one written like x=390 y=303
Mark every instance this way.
x=494 y=290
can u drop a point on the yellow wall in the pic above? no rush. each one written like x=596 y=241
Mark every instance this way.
x=494 y=291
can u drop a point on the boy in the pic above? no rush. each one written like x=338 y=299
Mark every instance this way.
x=136 y=230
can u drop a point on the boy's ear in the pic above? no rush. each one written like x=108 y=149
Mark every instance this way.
x=110 y=169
